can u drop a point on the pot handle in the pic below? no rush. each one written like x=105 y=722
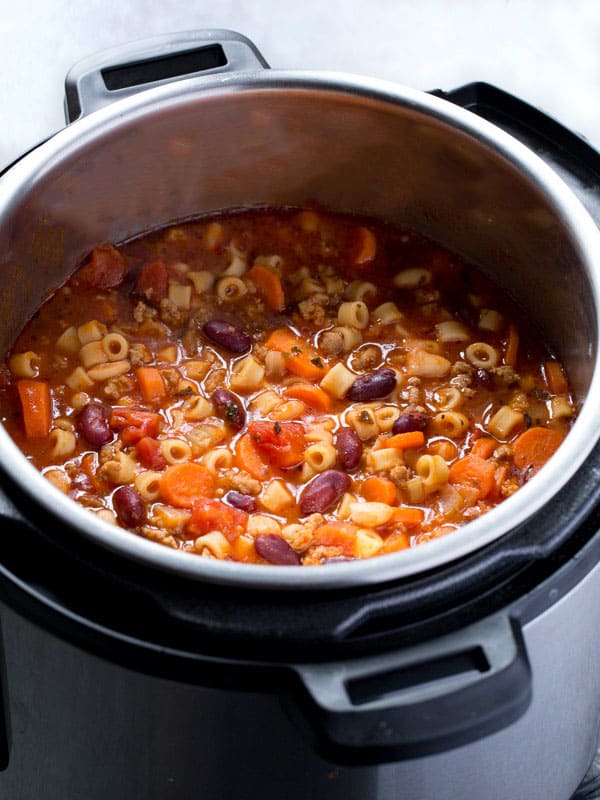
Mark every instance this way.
x=126 y=70
x=419 y=700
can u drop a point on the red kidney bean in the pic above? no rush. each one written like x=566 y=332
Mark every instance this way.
x=92 y=423
x=229 y=408
x=129 y=507
x=275 y=550
x=348 y=447
x=227 y=335
x=373 y=386
x=411 y=421
x=323 y=492
x=242 y=501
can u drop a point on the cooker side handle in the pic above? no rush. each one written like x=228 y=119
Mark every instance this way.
x=126 y=70
x=424 y=699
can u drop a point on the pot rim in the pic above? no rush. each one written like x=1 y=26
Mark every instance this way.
x=473 y=536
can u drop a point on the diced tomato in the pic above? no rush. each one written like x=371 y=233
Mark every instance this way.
x=281 y=443
x=134 y=423
x=104 y=269
x=213 y=515
x=149 y=454
x=153 y=282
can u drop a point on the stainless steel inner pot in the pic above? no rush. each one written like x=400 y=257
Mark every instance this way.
x=350 y=144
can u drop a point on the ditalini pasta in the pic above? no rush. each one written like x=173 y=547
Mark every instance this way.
x=283 y=386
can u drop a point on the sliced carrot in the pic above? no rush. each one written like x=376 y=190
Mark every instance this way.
x=557 y=382
x=475 y=472
x=512 y=346
x=406 y=441
x=535 y=446
x=182 y=484
x=151 y=384
x=36 y=403
x=363 y=246
x=300 y=358
x=313 y=396
x=380 y=490
x=249 y=458
x=444 y=448
x=280 y=443
x=409 y=516
x=268 y=285
x=336 y=534
x=398 y=540
x=500 y=475
x=484 y=447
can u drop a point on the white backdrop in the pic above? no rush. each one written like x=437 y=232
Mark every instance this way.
x=545 y=51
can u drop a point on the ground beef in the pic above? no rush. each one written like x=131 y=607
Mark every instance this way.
x=139 y=355
x=117 y=387
x=331 y=343
x=313 y=308
x=505 y=376
x=366 y=358
x=243 y=482
x=142 y=312
x=170 y=313
x=320 y=553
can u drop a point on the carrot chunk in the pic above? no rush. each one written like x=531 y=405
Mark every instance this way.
x=313 y=396
x=182 y=484
x=475 y=472
x=337 y=534
x=268 y=285
x=409 y=516
x=535 y=446
x=380 y=490
x=281 y=443
x=36 y=403
x=301 y=359
x=484 y=447
x=151 y=384
x=411 y=440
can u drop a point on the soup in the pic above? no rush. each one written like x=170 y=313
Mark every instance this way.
x=283 y=386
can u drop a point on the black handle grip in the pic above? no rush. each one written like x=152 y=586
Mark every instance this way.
x=127 y=70
x=422 y=699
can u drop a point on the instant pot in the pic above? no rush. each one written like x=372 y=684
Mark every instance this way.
x=467 y=667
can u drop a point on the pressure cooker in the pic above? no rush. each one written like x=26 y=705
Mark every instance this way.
x=464 y=668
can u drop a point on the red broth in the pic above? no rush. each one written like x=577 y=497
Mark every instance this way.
x=283 y=386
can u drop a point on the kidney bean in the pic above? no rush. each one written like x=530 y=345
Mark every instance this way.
x=275 y=550
x=348 y=447
x=227 y=335
x=242 y=501
x=373 y=386
x=229 y=408
x=92 y=423
x=129 y=507
x=323 y=492
x=411 y=421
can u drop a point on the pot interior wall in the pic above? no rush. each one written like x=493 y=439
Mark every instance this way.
x=114 y=176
